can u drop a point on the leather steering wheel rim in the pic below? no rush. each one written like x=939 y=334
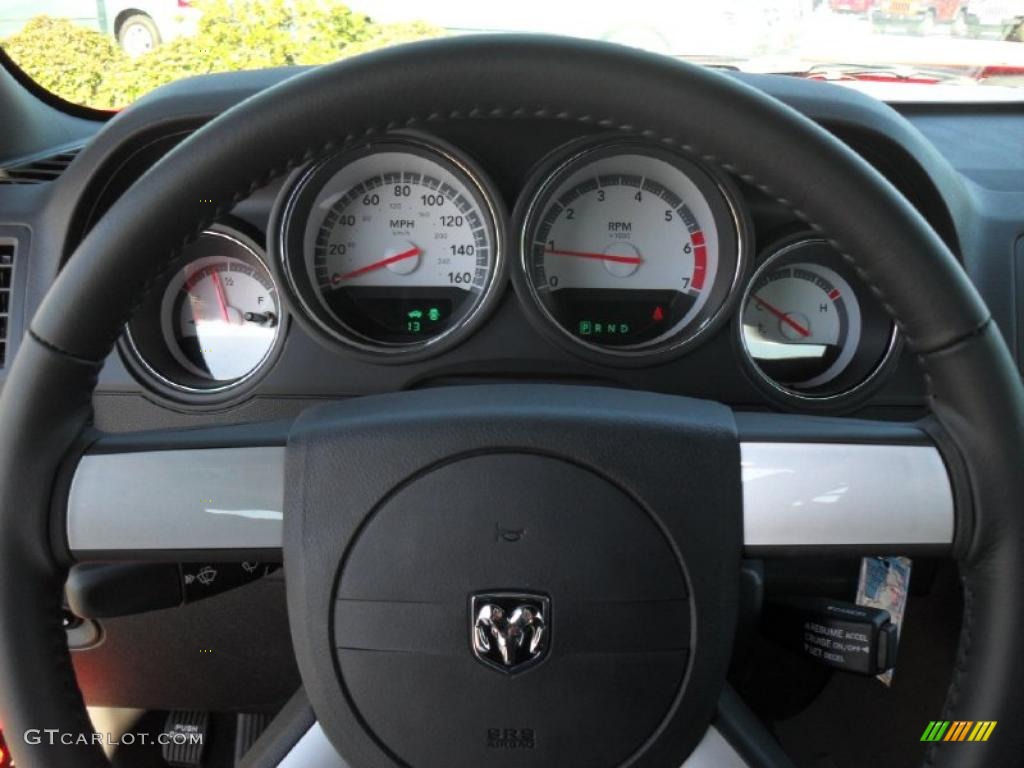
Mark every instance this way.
x=973 y=387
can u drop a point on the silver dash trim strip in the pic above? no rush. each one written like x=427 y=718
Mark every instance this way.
x=794 y=494
x=210 y=498
x=824 y=494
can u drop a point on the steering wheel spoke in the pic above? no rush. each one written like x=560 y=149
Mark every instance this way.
x=313 y=750
x=736 y=738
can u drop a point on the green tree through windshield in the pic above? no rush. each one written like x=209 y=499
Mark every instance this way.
x=87 y=66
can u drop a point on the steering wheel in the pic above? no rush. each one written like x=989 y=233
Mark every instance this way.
x=632 y=510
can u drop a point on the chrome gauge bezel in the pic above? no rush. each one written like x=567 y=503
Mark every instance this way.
x=735 y=235
x=290 y=219
x=855 y=387
x=179 y=386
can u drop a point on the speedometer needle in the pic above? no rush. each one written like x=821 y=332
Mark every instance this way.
x=783 y=317
x=412 y=252
x=222 y=298
x=598 y=256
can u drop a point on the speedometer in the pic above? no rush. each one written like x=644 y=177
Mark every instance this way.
x=630 y=251
x=392 y=248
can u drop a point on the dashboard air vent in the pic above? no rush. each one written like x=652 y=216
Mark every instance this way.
x=6 y=283
x=40 y=170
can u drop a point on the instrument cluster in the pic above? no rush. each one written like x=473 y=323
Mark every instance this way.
x=622 y=251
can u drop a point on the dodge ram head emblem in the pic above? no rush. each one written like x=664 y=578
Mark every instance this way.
x=510 y=630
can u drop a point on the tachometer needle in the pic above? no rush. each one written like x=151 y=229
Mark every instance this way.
x=222 y=298
x=598 y=256
x=783 y=317
x=411 y=253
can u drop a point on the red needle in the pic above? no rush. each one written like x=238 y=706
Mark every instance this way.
x=598 y=256
x=222 y=298
x=414 y=251
x=783 y=317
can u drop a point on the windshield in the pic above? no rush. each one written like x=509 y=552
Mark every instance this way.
x=107 y=53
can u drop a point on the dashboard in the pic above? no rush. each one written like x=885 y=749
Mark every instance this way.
x=545 y=252
x=473 y=252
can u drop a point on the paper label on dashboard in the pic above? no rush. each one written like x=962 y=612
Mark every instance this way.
x=885 y=583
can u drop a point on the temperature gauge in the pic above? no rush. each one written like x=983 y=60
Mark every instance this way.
x=806 y=328
x=801 y=324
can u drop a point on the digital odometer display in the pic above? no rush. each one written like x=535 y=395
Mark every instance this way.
x=631 y=250
x=391 y=247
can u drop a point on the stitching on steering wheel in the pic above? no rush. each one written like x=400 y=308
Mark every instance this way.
x=203 y=223
x=71 y=355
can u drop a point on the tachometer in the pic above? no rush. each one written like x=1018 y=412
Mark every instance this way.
x=392 y=248
x=630 y=251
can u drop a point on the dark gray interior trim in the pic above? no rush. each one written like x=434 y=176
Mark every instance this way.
x=747 y=734
x=21 y=239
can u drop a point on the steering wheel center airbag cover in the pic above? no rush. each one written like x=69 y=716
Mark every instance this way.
x=618 y=625
x=518 y=571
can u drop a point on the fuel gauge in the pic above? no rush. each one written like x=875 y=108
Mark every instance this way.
x=211 y=325
x=807 y=329
x=221 y=317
